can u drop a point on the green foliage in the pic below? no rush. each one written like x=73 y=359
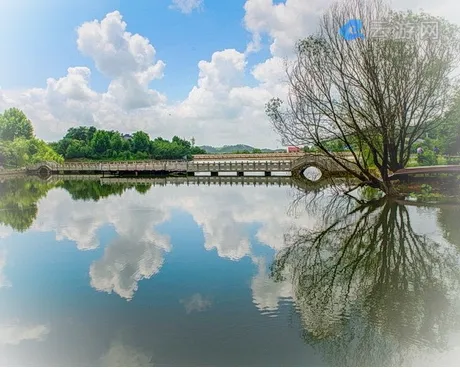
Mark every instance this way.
x=453 y=160
x=426 y=189
x=18 y=146
x=426 y=194
x=237 y=148
x=19 y=198
x=18 y=202
x=427 y=158
x=22 y=152
x=335 y=145
x=448 y=133
x=15 y=124
x=93 y=144
x=92 y=190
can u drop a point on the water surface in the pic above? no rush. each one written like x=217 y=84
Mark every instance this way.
x=224 y=275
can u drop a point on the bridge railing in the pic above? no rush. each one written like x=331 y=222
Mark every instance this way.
x=189 y=166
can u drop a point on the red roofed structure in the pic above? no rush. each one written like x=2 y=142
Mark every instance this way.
x=291 y=149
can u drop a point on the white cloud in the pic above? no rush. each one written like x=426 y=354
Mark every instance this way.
x=14 y=333
x=284 y=23
x=187 y=6
x=196 y=303
x=129 y=60
x=220 y=108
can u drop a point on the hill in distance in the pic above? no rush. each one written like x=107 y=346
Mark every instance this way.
x=235 y=148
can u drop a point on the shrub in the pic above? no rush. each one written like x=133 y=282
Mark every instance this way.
x=427 y=158
x=453 y=160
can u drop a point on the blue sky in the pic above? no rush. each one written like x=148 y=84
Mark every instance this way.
x=181 y=40
x=198 y=68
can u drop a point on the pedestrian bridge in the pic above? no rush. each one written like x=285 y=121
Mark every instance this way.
x=281 y=167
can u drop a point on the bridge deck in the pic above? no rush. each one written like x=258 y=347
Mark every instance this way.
x=420 y=170
x=166 y=166
x=282 y=166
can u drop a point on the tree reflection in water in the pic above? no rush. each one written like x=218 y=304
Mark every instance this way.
x=19 y=198
x=370 y=290
x=18 y=202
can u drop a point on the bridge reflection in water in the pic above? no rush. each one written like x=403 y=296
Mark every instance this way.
x=279 y=181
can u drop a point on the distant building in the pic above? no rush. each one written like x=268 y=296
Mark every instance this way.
x=292 y=149
x=127 y=136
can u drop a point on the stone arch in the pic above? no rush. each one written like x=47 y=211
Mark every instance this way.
x=44 y=171
x=299 y=169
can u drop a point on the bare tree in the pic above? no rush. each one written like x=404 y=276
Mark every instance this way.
x=376 y=96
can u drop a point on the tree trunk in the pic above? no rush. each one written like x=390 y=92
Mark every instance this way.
x=389 y=189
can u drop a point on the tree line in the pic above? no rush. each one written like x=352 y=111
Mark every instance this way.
x=90 y=143
x=19 y=146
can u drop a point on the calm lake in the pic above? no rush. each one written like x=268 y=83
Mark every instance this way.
x=176 y=273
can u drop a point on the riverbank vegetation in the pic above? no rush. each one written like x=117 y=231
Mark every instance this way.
x=377 y=97
x=18 y=144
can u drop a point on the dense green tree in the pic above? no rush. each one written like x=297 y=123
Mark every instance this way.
x=116 y=142
x=448 y=134
x=100 y=143
x=15 y=124
x=76 y=149
x=90 y=143
x=141 y=142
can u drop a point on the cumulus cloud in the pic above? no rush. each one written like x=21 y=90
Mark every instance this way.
x=187 y=6
x=129 y=60
x=219 y=109
x=284 y=23
x=15 y=333
x=196 y=303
